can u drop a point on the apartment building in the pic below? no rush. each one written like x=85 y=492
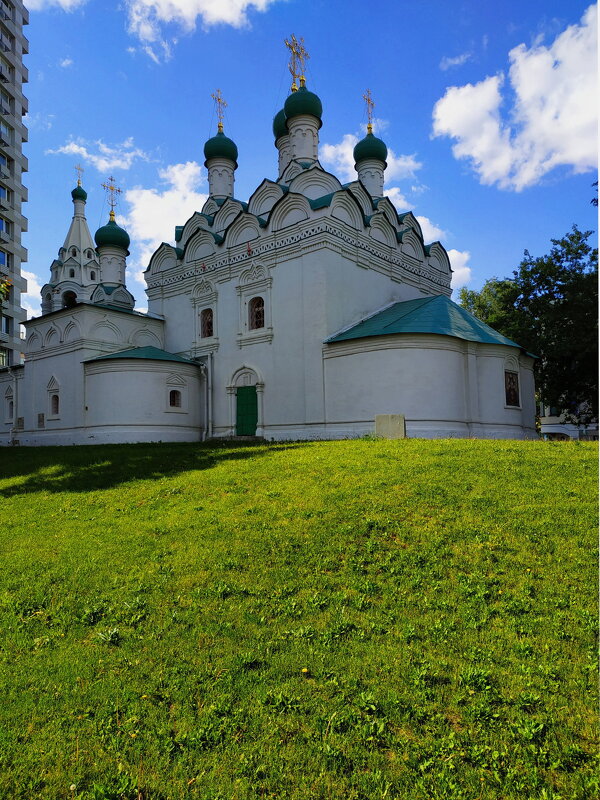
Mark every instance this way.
x=13 y=106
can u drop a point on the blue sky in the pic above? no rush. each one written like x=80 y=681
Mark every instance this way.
x=489 y=111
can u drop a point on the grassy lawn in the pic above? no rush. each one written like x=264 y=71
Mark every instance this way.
x=360 y=620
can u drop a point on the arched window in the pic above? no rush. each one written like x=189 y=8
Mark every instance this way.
x=89 y=254
x=9 y=410
x=206 y=323
x=54 y=405
x=511 y=388
x=73 y=252
x=71 y=273
x=69 y=299
x=256 y=313
x=93 y=275
x=175 y=398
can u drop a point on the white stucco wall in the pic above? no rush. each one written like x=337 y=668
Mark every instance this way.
x=427 y=379
x=127 y=400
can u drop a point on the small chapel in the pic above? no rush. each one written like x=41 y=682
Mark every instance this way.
x=311 y=310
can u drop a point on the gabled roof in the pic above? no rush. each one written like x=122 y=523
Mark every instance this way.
x=149 y=353
x=435 y=314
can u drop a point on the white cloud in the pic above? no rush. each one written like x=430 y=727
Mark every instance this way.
x=147 y=18
x=553 y=120
x=461 y=274
x=153 y=214
x=398 y=199
x=65 y=62
x=38 y=120
x=102 y=156
x=340 y=157
x=447 y=62
x=31 y=300
x=431 y=232
x=44 y=5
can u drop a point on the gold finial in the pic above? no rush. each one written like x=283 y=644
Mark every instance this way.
x=112 y=191
x=298 y=57
x=221 y=106
x=370 y=106
x=79 y=170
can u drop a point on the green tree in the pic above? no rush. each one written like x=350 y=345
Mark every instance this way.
x=550 y=307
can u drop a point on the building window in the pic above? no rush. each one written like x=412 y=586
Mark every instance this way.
x=5 y=325
x=54 y=405
x=9 y=406
x=511 y=388
x=175 y=398
x=89 y=254
x=256 y=313
x=3 y=357
x=93 y=275
x=206 y=323
x=6 y=132
x=69 y=299
x=73 y=252
x=71 y=273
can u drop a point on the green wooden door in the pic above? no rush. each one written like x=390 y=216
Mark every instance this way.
x=246 y=411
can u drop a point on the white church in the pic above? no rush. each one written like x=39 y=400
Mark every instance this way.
x=313 y=310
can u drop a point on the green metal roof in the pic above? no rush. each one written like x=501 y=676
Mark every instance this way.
x=150 y=353
x=435 y=314
x=321 y=202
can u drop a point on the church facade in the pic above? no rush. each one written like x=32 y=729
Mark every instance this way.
x=305 y=312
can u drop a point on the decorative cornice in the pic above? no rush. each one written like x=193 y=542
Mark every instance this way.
x=275 y=244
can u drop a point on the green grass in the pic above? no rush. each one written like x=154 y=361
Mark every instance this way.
x=358 y=620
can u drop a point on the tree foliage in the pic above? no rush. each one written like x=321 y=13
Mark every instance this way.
x=550 y=308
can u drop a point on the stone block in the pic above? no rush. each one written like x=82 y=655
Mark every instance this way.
x=390 y=426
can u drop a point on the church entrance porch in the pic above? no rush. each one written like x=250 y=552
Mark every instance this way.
x=246 y=411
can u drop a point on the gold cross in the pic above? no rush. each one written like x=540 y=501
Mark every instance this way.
x=370 y=106
x=112 y=190
x=298 y=53
x=79 y=170
x=221 y=106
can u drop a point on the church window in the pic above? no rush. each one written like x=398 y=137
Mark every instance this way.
x=71 y=273
x=511 y=388
x=69 y=299
x=9 y=409
x=89 y=254
x=206 y=323
x=54 y=405
x=73 y=252
x=93 y=275
x=256 y=313
x=175 y=398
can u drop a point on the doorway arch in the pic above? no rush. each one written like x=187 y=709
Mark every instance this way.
x=246 y=403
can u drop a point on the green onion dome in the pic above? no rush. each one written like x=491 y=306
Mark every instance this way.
x=370 y=147
x=111 y=234
x=303 y=102
x=79 y=193
x=220 y=146
x=279 y=125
